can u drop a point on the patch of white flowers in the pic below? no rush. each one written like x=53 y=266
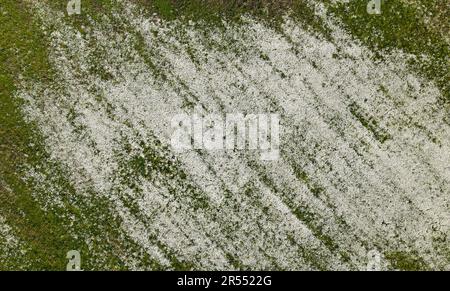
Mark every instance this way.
x=337 y=190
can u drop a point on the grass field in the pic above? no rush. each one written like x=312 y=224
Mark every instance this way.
x=86 y=163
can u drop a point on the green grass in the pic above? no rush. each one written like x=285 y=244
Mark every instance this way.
x=212 y=12
x=23 y=54
x=406 y=261
x=398 y=27
x=45 y=233
x=401 y=27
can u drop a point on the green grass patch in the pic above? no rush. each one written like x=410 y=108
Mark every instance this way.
x=406 y=261
x=23 y=54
